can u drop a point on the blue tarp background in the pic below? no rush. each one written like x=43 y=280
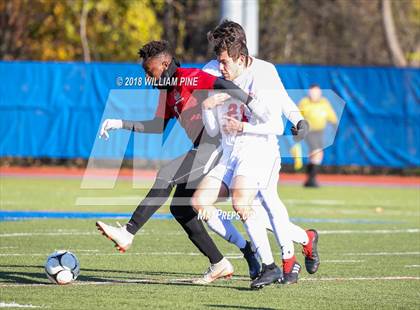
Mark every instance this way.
x=55 y=109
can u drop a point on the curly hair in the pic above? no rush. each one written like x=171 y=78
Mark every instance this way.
x=227 y=30
x=155 y=48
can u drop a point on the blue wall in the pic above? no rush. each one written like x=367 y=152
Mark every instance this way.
x=55 y=110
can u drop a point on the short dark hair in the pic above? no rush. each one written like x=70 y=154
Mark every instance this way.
x=227 y=29
x=314 y=85
x=155 y=48
x=234 y=48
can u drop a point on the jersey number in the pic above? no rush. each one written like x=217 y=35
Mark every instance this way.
x=233 y=112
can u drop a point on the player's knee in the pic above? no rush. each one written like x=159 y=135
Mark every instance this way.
x=240 y=201
x=198 y=201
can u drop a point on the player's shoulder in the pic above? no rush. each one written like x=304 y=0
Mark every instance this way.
x=188 y=71
x=263 y=65
x=193 y=72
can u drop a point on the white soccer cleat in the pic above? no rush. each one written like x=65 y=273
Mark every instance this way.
x=119 y=235
x=222 y=269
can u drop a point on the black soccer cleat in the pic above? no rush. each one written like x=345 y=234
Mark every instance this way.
x=252 y=260
x=269 y=274
x=310 y=251
x=311 y=183
x=291 y=277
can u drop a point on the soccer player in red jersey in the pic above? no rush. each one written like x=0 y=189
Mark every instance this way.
x=181 y=100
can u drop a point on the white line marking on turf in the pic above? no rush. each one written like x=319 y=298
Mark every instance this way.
x=412 y=266
x=62 y=232
x=328 y=202
x=109 y=201
x=383 y=253
x=339 y=261
x=189 y=280
x=374 y=231
x=361 y=279
x=228 y=255
x=15 y=305
x=48 y=234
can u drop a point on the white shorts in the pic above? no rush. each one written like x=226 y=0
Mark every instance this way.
x=258 y=167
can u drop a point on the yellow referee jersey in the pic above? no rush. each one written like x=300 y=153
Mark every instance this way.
x=318 y=114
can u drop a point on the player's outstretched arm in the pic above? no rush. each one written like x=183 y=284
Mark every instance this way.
x=155 y=125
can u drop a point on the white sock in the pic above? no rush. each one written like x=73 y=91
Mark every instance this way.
x=262 y=214
x=225 y=229
x=298 y=234
x=258 y=234
x=280 y=223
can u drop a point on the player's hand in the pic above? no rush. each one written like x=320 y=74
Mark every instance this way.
x=300 y=131
x=109 y=124
x=215 y=100
x=232 y=126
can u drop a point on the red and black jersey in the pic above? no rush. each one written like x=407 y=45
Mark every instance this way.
x=183 y=101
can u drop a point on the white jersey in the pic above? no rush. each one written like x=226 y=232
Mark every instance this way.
x=215 y=118
x=262 y=82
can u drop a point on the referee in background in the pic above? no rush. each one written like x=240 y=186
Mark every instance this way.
x=318 y=112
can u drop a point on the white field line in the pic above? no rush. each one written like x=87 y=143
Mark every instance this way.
x=381 y=211
x=228 y=255
x=362 y=279
x=328 y=202
x=48 y=234
x=109 y=201
x=372 y=231
x=88 y=233
x=340 y=261
x=412 y=266
x=189 y=281
x=382 y=254
x=111 y=254
x=15 y=305
x=81 y=233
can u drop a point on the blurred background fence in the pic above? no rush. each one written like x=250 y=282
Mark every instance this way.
x=55 y=110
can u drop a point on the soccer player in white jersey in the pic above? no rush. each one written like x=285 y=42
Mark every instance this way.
x=283 y=229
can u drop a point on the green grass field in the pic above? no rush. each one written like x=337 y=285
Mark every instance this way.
x=369 y=248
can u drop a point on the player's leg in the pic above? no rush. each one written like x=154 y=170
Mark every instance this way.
x=123 y=236
x=287 y=232
x=315 y=143
x=315 y=159
x=243 y=193
x=182 y=211
x=210 y=190
x=185 y=215
x=307 y=238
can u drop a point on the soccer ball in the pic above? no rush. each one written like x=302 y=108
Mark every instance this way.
x=62 y=267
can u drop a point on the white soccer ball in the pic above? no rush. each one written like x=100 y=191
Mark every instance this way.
x=62 y=267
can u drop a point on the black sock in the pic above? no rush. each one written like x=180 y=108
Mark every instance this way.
x=271 y=266
x=187 y=217
x=247 y=249
x=196 y=232
x=155 y=198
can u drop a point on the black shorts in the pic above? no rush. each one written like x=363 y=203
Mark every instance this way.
x=315 y=140
x=191 y=167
